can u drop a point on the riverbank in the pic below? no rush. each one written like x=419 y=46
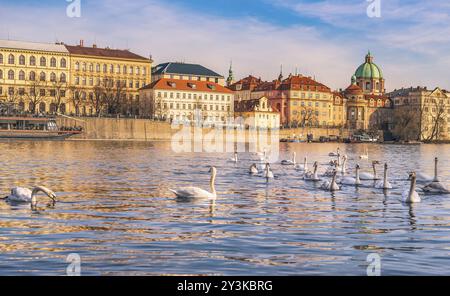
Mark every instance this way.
x=126 y=129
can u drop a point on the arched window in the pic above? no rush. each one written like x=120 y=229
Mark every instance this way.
x=22 y=60
x=52 y=62
x=138 y=71
x=91 y=67
x=63 y=63
x=11 y=75
x=97 y=68
x=83 y=67
x=21 y=75
x=53 y=108
x=32 y=61
x=53 y=77
x=21 y=106
x=11 y=59
x=111 y=68
x=144 y=71
x=62 y=77
x=42 y=76
x=1 y=58
x=77 y=66
x=1 y=74
x=62 y=108
x=43 y=62
x=131 y=70
x=124 y=69
x=32 y=76
x=105 y=68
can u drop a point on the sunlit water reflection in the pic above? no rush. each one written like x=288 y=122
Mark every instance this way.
x=116 y=212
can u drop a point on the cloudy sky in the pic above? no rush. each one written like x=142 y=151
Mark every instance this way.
x=327 y=39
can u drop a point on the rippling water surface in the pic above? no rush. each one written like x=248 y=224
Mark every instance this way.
x=116 y=212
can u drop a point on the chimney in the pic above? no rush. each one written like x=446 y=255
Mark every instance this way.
x=81 y=43
x=94 y=45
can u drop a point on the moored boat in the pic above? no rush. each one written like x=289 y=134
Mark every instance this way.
x=37 y=128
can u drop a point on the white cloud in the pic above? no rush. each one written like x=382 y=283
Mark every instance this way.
x=256 y=47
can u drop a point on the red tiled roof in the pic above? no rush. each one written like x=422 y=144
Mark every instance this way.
x=104 y=52
x=187 y=85
x=294 y=82
x=248 y=106
x=354 y=90
x=248 y=83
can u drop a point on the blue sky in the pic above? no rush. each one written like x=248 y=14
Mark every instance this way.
x=324 y=38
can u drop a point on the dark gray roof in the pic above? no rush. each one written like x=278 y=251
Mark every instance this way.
x=184 y=69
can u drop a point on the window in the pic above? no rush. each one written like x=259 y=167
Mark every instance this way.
x=53 y=77
x=77 y=66
x=124 y=69
x=42 y=92
x=43 y=62
x=11 y=75
x=91 y=67
x=53 y=62
x=21 y=75
x=22 y=60
x=105 y=68
x=63 y=63
x=32 y=76
x=11 y=59
x=118 y=69
x=1 y=58
x=42 y=76
x=111 y=69
x=138 y=71
x=1 y=74
x=32 y=61
x=83 y=67
x=62 y=77
x=97 y=68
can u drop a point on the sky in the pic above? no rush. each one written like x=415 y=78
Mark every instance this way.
x=325 y=39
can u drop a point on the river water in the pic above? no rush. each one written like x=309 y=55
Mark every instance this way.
x=115 y=211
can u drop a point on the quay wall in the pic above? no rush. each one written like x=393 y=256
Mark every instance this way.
x=148 y=130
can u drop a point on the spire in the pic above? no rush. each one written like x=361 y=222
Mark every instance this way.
x=280 y=77
x=369 y=58
x=230 y=79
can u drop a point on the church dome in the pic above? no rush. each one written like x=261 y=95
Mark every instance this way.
x=369 y=70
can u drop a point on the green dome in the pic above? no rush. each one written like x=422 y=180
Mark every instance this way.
x=369 y=69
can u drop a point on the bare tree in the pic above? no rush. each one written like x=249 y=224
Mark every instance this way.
x=407 y=122
x=36 y=94
x=434 y=120
x=97 y=99
x=59 y=91
x=76 y=98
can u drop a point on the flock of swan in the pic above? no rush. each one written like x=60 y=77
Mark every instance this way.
x=333 y=178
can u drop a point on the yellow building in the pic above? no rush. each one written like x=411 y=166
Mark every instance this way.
x=106 y=80
x=421 y=114
x=257 y=113
x=78 y=80
x=180 y=100
x=33 y=76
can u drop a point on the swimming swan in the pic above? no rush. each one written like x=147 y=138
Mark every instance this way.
x=436 y=186
x=20 y=194
x=292 y=161
x=350 y=180
x=312 y=176
x=384 y=184
x=410 y=195
x=368 y=176
x=253 y=170
x=334 y=154
x=195 y=192
x=268 y=174
x=303 y=167
x=331 y=186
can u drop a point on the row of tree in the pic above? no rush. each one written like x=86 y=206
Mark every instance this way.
x=109 y=97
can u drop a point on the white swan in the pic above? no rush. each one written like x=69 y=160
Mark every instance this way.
x=312 y=176
x=253 y=170
x=268 y=174
x=20 y=194
x=369 y=176
x=410 y=195
x=350 y=180
x=436 y=186
x=334 y=154
x=195 y=192
x=331 y=168
x=234 y=158
x=366 y=155
x=331 y=186
x=303 y=167
x=292 y=161
x=344 y=165
x=384 y=184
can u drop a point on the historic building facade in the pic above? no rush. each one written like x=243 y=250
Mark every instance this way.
x=183 y=100
x=33 y=76
x=421 y=113
x=115 y=74
x=257 y=113
x=79 y=80
x=367 y=105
